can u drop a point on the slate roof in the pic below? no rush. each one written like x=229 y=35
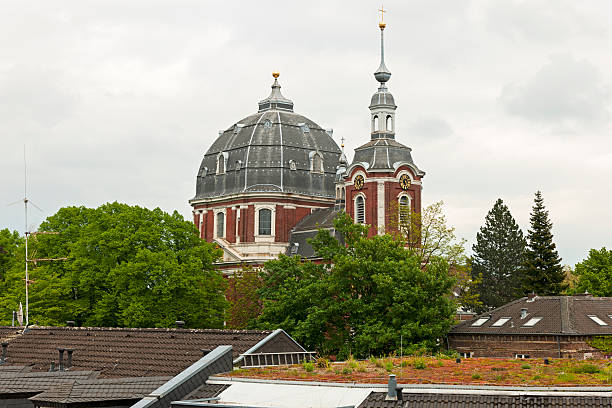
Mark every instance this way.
x=384 y=154
x=563 y=315
x=258 y=152
x=307 y=228
x=474 y=400
x=123 y=352
x=109 y=389
x=206 y=391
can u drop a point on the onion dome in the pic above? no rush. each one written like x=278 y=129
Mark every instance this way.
x=274 y=150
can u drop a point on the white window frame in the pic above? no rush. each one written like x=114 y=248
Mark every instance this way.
x=466 y=354
x=362 y=195
x=389 y=122
x=480 y=321
x=223 y=155
x=521 y=356
x=272 y=236
x=532 y=322
x=311 y=156
x=399 y=205
x=375 y=123
x=224 y=212
x=597 y=320
x=501 y=321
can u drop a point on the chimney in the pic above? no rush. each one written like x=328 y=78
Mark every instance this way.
x=61 y=358
x=391 y=389
x=69 y=362
x=205 y=352
x=70 y=323
x=3 y=356
x=523 y=313
x=52 y=368
x=180 y=324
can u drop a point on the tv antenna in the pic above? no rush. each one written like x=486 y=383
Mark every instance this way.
x=27 y=201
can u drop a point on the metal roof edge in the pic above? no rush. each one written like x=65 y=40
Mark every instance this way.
x=264 y=341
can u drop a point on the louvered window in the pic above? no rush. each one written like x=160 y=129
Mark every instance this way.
x=220 y=164
x=317 y=163
x=265 y=222
x=220 y=225
x=360 y=210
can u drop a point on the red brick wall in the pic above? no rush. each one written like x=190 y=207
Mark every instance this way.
x=230 y=225
x=536 y=346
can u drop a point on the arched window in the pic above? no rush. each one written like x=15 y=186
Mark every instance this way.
x=220 y=225
x=265 y=221
x=220 y=164
x=389 y=122
x=360 y=210
x=404 y=211
x=317 y=163
x=375 y=123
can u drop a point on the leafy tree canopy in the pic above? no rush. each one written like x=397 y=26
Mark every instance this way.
x=498 y=257
x=368 y=296
x=542 y=270
x=595 y=273
x=9 y=247
x=127 y=266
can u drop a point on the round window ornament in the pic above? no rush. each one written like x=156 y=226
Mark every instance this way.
x=358 y=183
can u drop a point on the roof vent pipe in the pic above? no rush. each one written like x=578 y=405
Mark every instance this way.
x=3 y=356
x=523 y=313
x=180 y=324
x=61 y=358
x=205 y=352
x=69 y=362
x=391 y=389
x=52 y=368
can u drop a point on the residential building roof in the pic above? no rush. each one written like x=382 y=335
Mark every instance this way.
x=123 y=352
x=562 y=315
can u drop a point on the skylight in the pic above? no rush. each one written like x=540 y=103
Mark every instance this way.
x=501 y=322
x=480 y=321
x=532 y=322
x=597 y=320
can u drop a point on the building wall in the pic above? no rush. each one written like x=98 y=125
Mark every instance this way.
x=536 y=346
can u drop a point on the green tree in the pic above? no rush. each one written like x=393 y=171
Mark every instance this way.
x=429 y=236
x=498 y=257
x=9 y=248
x=595 y=273
x=367 y=296
x=127 y=266
x=244 y=302
x=542 y=270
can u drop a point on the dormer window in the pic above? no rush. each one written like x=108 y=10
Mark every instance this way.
x=222 y=162
x=238 y=165
x=304 y=127
x=316 y=162
x=267 y=124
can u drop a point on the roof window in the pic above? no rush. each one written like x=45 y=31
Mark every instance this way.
x=597 y=320
x=532 y=322
x=501 y=322
x=480 y=321
x=305 y=128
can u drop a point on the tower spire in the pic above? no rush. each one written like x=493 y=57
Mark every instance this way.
x=382 y=74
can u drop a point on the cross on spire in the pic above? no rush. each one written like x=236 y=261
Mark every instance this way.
x=382 y=13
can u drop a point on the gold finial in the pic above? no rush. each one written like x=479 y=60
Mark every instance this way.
x=382 y=23
x=342 y=140
x=276 y=74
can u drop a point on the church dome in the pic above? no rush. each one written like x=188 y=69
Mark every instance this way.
x=274 y=150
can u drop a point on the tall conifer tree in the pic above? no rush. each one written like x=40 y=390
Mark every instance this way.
x=498 y=257
x=542 y=270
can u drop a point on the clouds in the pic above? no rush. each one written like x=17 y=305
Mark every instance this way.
x=119 y=100
x=564 y=91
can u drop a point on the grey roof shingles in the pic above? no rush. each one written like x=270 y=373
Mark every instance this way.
x=563 y=315
x=125 y=352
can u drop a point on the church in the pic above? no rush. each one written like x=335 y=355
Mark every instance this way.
x=272 y=179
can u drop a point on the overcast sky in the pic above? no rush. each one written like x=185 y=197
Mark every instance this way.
x=119 y=100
